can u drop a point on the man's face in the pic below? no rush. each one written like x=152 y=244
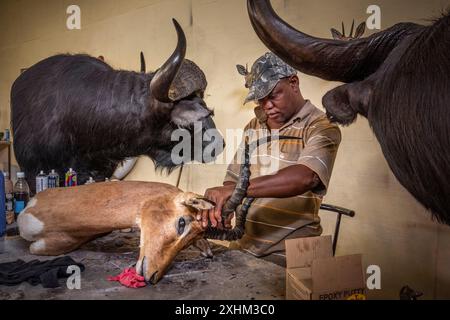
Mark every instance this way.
x=280 y=105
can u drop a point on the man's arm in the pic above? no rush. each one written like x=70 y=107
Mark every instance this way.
x=288 y=182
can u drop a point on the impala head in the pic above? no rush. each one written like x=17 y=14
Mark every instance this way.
x=165 y=233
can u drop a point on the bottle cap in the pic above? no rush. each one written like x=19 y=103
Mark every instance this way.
x=53 y=171
x=42 y=172
x=90 y=181
x=20 y=175
x=6 y=174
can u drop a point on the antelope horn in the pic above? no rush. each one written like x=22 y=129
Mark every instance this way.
x=239 y=193
x=351 y=30
x=334 y=60
x=143 y=67
x=160 y=85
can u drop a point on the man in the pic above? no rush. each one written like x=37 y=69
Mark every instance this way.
x=287 y=200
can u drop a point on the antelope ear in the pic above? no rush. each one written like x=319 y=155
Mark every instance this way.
x=203 y=245
x=199 y=203
x=336 y=34
x=360 y=30
x=241 y=69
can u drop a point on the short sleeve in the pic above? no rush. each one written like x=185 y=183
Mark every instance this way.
x=234 y=168
x=321 y=146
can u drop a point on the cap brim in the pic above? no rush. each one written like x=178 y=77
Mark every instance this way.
x=261 y=90
x=250 y=97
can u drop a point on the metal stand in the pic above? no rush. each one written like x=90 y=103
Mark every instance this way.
x=340 y=211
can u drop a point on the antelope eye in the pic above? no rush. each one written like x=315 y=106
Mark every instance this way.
x=181 y=225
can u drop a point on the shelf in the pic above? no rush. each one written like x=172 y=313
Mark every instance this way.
x=5 y=143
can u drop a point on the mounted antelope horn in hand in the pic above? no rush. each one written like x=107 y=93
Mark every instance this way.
x=239 y=193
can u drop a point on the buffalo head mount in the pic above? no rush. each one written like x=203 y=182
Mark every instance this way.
x=398 y=78
x=77 y=111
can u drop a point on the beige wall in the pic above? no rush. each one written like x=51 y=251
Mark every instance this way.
x=391 y=229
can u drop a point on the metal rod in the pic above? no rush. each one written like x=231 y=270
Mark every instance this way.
x=336 y=233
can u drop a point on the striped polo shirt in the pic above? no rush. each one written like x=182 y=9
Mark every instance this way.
x=272 y=220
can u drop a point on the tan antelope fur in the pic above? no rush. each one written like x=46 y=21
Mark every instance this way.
x=60 y=220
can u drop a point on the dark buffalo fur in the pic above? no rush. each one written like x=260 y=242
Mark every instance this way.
x=410 y=115
x=76 y=111
x=407 y=103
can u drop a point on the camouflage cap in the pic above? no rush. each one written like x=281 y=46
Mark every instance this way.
x=265 y=74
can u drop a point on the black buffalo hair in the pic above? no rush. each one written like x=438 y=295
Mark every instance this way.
x=75 y=111
x=398 y=78
x=410 y=115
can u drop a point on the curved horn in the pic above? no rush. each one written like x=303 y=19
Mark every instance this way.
x=160 y=85
x=328 y=59
x=143 y=67
x=235 y=200
x=239 y=193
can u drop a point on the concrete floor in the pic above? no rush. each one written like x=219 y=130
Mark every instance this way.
x=228 y=275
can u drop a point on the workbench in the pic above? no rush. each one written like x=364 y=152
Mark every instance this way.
x=230 y=274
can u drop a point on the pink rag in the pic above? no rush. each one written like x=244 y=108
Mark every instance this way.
x=129 y=278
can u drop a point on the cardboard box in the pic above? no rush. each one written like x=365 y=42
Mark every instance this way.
x=314 y=274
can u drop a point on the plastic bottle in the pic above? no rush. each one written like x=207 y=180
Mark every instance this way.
x=21 y=193
x=41 y=182
x=53 y=179
x=2 y=207
x=71 y=178
x=9 y=201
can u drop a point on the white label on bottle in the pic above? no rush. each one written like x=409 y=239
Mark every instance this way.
x=41 y=184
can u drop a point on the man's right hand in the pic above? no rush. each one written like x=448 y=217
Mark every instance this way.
x=219 y=195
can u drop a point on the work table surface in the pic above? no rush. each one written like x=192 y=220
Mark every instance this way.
x=229 y=275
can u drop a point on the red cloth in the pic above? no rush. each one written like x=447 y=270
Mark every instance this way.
x=129 y=278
